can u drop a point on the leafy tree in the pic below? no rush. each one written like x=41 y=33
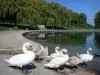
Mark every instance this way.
x=39 y=12
x=82 y=18
x=50 y=22
x=97 y=20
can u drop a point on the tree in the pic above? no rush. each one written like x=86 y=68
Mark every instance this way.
x=82 y=18
x=50 y=22
x=75 y=19
x=97 y=20
x=39 y=12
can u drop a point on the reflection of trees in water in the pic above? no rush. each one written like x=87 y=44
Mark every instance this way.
x=67 y=38
x=97 y=39
x=35 y=35
x=72 y=38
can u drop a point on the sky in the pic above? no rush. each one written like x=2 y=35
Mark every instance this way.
x=89 y=7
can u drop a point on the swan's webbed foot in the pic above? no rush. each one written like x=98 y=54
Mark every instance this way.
x=73 y=70
x=26 y=71
x=84 y=64
x=38 y=60
x=60 y=69
x=82 y=68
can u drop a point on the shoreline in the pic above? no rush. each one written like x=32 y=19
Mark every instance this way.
x=69 y=30
x=15 y=39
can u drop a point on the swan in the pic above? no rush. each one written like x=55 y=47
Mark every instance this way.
x=22 y=59
x=42 y=52
x=86 y=57
x=73 y=61
x=57 y=54
x=58 y=61
x=54 y=55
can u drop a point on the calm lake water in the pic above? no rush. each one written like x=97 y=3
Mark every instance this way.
x=75 y=42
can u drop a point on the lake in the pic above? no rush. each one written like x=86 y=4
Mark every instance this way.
x=75 y=42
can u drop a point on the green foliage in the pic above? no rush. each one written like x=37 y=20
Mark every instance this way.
x=50 y=21
x=97 y=20
x=2 y=28
x=97 y=39
x=39 y=12
x=82 y=18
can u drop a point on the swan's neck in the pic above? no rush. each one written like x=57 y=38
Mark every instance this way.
x=24 y=49
x=46 y=48
x=41 y=47
x=87 y=52
x=56 y=50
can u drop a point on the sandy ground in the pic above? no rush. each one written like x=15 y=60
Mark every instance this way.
x=10 y=44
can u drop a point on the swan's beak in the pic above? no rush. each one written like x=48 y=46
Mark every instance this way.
x=30 y=48
x=90 y=51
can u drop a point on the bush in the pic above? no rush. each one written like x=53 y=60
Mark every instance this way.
x=10 y=25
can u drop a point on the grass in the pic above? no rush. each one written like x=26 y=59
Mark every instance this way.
x=65 y=28
x=73 y=27
x=7 y=26
x=4 y=28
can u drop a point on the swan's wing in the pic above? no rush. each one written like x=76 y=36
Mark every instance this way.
x=53 y=55
x=20 y=58
x=40 y=52
x=44 y=54
x=41 y=46
x=68 y=64
x=58 y=61
x=84 y=57
x=90 y=57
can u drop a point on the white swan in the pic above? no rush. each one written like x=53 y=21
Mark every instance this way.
x=86 y=57
x=57 y=54
x=73 y=61
x=22 y=59
x=54 y=55
x=58 y=61
x=42 y=52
